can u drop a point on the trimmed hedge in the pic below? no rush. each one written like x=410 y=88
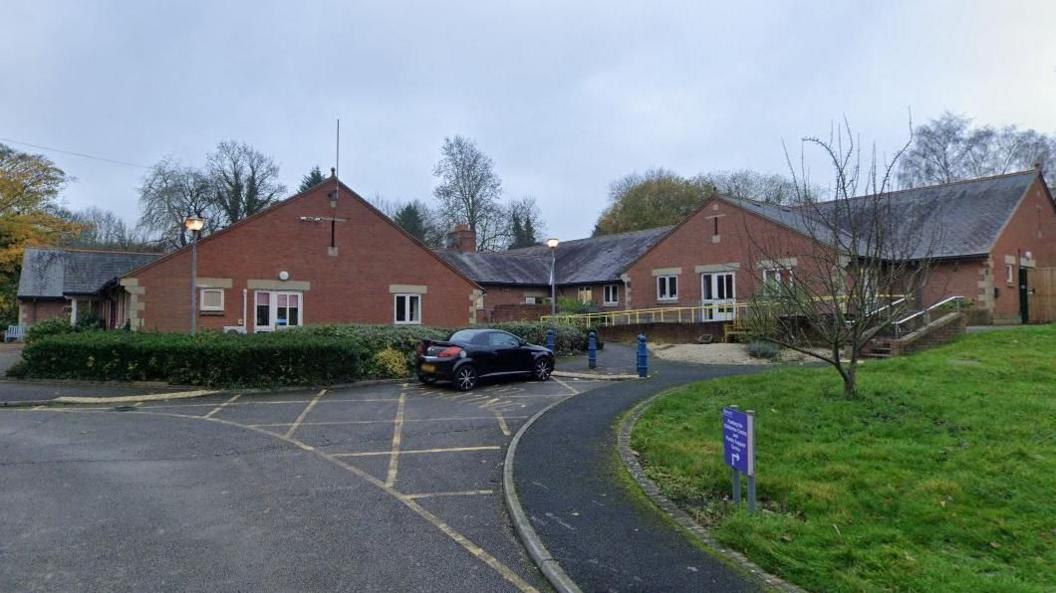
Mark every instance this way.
x=317 y=355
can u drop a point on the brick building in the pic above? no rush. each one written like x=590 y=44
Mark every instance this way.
x=315 y=259
x=990 y=240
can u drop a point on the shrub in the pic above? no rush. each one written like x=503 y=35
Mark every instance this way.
x=317 y=355
x=573 y=306
x=17 y=370
x=760 y=349
x=49 y=327
x=392 y=363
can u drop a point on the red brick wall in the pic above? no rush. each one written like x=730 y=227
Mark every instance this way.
x=1032 y=228
x=351 y=287
x=743 y=239
x=31 y=312
x=958 y=278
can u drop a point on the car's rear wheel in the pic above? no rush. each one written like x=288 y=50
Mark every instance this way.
x=465 y=377
x=542 y=370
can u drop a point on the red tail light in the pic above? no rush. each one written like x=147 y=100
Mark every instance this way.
x=450 y=352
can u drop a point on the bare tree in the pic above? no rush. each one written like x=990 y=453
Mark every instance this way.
x=245 y=181
x=950 y=149
x=747 y=184
x=525 y=223
x=103 y=229
x=843 y=284
x=170 y=192
x=469 y=191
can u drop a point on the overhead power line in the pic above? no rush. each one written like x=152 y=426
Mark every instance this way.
x=74 y=153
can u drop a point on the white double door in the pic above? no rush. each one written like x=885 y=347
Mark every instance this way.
x=718 y=292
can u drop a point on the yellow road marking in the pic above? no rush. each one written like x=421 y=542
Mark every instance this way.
x=462 y=493
x=397 y=436
x=417 y=451
x=328 y=400
x=406 y=420
x=223 y=405
x=124 y=399
x=304 y=413
x=466 y=544
x=566 y=385
x=502 y=424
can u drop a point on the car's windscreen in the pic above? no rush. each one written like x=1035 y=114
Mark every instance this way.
x=466 y=336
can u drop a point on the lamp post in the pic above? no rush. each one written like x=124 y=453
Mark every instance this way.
x=552 y=244
x=194 y=223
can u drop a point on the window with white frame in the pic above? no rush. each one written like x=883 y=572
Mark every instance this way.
x=211 y=299
x=408 y=309
x=273 y=309
x=586 y=295
x=667 y=288
x=1009 y=273
x=612 y=294
x=532 y=300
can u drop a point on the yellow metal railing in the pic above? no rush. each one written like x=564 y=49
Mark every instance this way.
x=697 y=314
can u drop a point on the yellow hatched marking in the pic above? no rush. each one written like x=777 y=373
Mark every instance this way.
x=223 y=405
x=502 y=424
x=304 y=413
x=397 y=436
x=461 y=493
x=417 y=451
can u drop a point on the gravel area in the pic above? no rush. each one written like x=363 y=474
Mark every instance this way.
x=721 y=354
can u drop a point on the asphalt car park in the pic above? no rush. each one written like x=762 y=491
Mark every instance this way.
x=392 y=487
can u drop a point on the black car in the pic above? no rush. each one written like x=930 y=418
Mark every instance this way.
x=470 y=354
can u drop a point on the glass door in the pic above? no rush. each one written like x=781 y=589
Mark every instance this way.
x=718 y=296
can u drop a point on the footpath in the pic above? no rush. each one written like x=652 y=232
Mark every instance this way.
x=588 y=522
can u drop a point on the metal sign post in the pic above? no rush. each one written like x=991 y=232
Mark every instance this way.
x=738 y=444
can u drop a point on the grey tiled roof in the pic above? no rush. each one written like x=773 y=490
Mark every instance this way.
x=957 y=219
x=53 y=273
x=582 y=261
x=500 y=268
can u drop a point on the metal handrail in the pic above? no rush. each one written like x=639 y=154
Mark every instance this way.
x=698 y=313
x=926 y=312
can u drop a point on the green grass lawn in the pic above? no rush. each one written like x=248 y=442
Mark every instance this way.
x=940 y=476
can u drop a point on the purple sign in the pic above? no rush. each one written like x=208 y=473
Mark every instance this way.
x=738 y=440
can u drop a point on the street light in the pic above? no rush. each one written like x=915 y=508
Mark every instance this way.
x=552 y=244
x=194 y=223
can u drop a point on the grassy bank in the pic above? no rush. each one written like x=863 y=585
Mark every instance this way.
x=941 y=476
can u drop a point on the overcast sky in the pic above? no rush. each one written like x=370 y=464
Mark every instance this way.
x=564 y=99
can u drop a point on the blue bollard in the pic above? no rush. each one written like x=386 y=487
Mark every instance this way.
x=643 y=357
x=592 y=349
x=550 y=337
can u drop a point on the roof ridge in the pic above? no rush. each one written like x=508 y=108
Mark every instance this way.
x=600 y=237
x=947 y=184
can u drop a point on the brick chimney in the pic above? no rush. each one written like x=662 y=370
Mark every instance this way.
x=462 y=238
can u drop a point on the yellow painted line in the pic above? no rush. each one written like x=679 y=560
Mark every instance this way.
x=278 y=402
x=502 y=424
x=304 y=413
x=406 y=420
x=566 y=385
x=462 y=493
x=417 y=451
x=397 y=436
x=476 y=551
x=124 y=399
x=223 y=405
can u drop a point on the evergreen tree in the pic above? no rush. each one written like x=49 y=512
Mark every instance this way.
x=312 y=179
x=414 y=219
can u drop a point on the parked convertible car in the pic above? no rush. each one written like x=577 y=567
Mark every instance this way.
x=470 y=354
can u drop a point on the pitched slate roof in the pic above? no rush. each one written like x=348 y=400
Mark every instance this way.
x=582 y=261
x=500 y=268
x=54 y=273
x=958 y=219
